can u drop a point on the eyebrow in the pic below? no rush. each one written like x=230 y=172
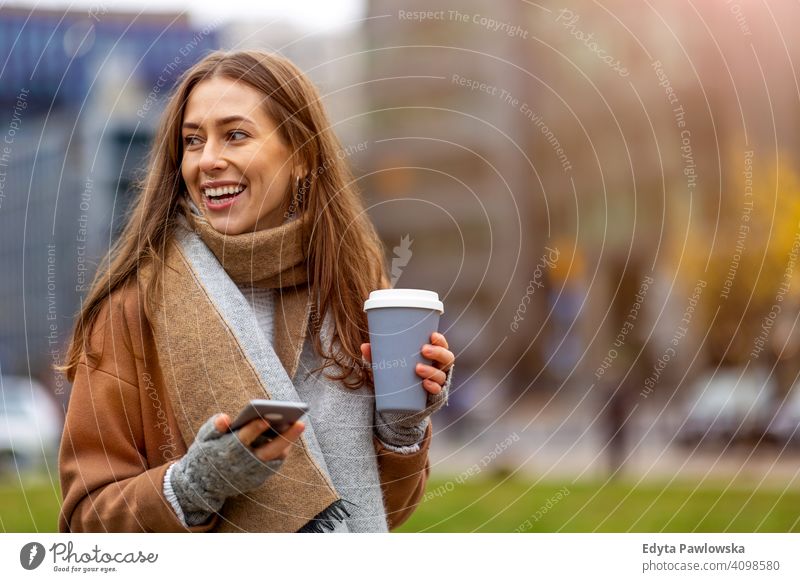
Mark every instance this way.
x=220 y=122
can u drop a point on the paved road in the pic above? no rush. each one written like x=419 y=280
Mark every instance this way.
x=564 y=439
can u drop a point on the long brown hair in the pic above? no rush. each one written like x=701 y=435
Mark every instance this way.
x=345 y=256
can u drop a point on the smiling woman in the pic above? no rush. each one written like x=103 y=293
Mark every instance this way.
x=241 y=275
x=229 y=155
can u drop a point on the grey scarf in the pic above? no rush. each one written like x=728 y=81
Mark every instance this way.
x=340 y=424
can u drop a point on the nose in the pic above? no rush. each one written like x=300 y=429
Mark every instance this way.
x=212 y=158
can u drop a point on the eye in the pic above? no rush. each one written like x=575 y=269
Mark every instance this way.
x=191 y=140
x=237 y=135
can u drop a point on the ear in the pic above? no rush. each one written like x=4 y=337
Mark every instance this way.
x=299 y=167
x=300 y=171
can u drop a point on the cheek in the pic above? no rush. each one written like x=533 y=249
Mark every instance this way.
x=271 y=183
x=280 y=179
x=186 y=169
x=276 y=167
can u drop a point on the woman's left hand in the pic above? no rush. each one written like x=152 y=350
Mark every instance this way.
x=433 y=377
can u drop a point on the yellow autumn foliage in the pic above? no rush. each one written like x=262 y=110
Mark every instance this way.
x=750 y=260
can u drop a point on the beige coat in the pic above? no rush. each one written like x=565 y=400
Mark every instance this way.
x=121 y=435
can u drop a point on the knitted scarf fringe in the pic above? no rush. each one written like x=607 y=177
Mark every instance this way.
x=326 y=520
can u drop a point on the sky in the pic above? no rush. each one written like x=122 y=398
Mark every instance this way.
x=311 y=14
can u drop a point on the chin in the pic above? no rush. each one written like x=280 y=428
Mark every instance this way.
x=229 y=226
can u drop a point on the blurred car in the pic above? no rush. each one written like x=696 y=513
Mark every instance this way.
x=30 y=422
x=728 y=404
x=785 y=427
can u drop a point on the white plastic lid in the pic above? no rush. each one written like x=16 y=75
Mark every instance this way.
x=404 y=298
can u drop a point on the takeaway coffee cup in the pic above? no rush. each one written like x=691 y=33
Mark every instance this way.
x=401 y=321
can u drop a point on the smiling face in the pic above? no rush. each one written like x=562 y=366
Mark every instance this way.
x=236 y=166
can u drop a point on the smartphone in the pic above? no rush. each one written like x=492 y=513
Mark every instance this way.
x=280 y=415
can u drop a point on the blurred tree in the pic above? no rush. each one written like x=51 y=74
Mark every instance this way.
x=753 y=265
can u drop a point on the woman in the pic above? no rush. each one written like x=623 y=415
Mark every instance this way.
x=241 y=274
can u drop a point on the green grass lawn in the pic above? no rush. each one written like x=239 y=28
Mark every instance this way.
x=32 y=509
x=504 y=505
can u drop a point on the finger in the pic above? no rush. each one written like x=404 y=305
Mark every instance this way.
x=431 y=373
x=279 y=447
x=249 y=432
x=366 y=352
x=431 y=386
x=439 y=340
x=209 y=431
x=222 y=422
x=439 y=355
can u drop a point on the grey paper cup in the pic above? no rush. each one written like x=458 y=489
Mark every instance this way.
x=401 y=321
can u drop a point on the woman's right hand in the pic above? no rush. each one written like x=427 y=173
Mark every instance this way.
x=220 y=464
x=277 y=448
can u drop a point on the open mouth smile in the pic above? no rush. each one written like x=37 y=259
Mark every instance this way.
x=223 y=196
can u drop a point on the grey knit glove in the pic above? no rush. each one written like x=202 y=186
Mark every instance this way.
x=401 y=429
x=216 y=466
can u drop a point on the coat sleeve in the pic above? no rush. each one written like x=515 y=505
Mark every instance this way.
x=107 y=482
x=403 y=479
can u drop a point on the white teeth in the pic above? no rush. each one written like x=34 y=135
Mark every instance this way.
x=213 y=192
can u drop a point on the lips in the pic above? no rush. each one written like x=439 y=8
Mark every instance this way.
x=222 y=197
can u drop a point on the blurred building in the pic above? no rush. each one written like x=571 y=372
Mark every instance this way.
x=612 y=132
x=452 y=182
x=80 y=95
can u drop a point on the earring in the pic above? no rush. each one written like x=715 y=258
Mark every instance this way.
x=301 y=188
x=297 y=199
